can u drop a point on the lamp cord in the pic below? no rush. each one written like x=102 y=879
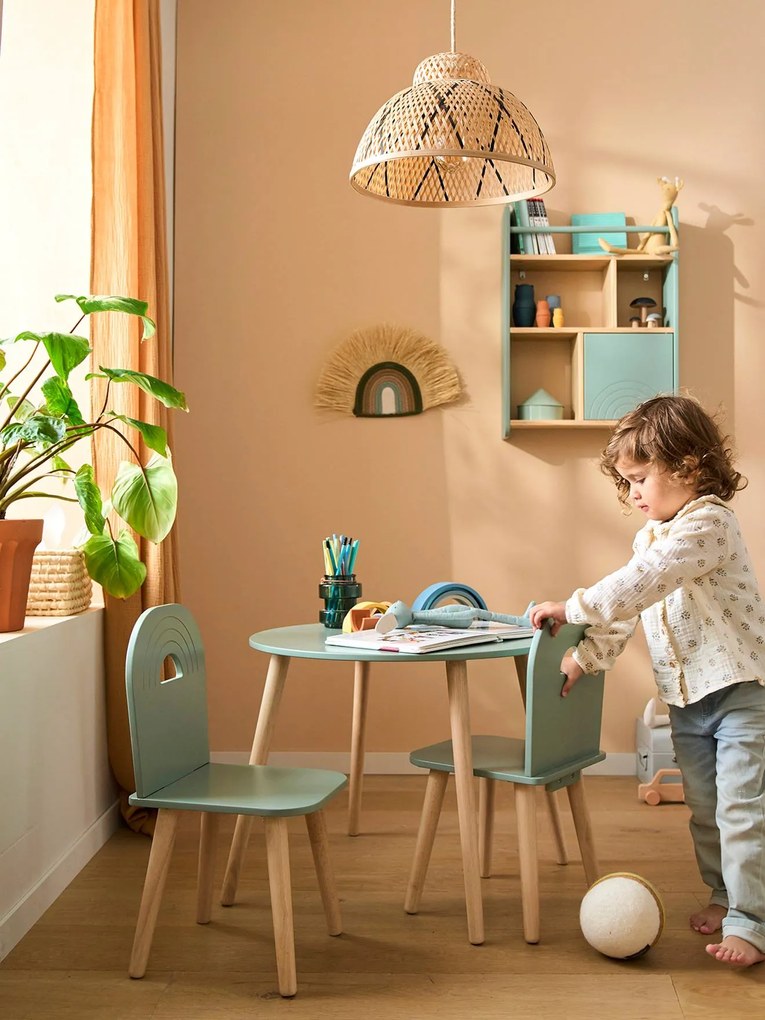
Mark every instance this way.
x=454 y=26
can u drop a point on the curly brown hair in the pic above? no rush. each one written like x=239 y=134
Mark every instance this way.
x=676 y=433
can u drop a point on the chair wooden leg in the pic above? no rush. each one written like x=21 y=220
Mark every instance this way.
x=317 y=834
x=235 y=859
x=487 y=789
x=278 y=854
x=208 y=835
x=358 y=740
x=154 y=885
x=551 y=796
x=526 y=819
x=583 y=830
x=426 y=834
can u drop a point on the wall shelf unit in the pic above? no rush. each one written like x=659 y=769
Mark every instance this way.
x=596 y=365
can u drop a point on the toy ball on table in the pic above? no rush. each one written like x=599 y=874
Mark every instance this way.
x=622 y=916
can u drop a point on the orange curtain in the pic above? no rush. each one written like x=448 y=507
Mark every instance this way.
x=129 y=257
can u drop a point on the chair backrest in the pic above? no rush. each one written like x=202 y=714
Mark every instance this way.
x=559 y=730
x=168 y=718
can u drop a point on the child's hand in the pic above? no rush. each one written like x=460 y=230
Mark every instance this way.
x=555 y=611
x=571 y=669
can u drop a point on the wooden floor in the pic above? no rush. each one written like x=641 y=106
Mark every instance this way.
x=72 y=965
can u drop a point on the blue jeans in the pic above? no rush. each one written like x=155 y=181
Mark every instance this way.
x=720 y=747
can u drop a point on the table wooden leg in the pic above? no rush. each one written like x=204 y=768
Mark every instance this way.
x=264 y=730
x=358 y=742
x=459 y=714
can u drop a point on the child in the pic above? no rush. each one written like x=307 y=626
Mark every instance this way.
x=691 y=582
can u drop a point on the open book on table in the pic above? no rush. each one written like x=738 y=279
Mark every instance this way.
x=413 y=640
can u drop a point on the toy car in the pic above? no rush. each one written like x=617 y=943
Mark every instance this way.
x=662 y=789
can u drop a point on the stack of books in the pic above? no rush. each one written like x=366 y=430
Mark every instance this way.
x=531 y=212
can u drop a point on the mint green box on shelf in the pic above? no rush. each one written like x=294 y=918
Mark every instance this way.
x=623 y=369
x=587 y=244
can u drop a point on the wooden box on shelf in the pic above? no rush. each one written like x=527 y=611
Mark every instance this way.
x=598 y=365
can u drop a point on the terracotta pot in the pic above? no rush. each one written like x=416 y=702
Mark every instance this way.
x=18 y=541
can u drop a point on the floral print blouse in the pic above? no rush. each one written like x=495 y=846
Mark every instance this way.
x=692 y=584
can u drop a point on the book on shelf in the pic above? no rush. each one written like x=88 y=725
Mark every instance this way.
x=517 y=247
x=546 y=242
x=415 y=639
x=526 y=240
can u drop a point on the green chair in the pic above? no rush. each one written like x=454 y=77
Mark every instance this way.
x=173 y=773
x=562 y=738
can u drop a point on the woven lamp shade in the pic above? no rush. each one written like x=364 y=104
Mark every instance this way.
x=452 y=139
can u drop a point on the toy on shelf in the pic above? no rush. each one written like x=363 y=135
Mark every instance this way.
x=654 y=243
x=643 y=304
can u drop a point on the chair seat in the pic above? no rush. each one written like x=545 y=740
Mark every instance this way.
x=497 y=758
x=248 y=789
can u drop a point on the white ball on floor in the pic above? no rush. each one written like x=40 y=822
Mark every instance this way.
x=622 y=916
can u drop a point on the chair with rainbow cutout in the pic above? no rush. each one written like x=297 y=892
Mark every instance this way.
x=173 y=773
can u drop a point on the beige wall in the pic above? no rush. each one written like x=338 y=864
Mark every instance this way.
x=277 y=259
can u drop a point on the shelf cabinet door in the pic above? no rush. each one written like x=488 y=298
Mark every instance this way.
x=623 y=369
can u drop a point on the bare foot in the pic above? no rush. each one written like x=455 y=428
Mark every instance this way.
x=738 y=952
x=709 y=919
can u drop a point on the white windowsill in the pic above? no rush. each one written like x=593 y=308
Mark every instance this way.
x=35 y=624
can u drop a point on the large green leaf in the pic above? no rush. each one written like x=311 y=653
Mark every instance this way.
x=154 y=436
x=115 y=564
x=60 y=401
x=113 y=303
x=39 y=430
x=65 y=350
x=147 y=499
x=89 y=497
x=162 y=391
x=22 y=409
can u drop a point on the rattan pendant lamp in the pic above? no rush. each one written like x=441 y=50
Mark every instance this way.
x=452 y=139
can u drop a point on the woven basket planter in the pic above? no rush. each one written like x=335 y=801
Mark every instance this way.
x=60 y=585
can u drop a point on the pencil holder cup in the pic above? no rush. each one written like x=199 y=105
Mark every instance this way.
x=340 y=594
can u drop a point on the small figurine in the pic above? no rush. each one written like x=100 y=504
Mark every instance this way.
x=635 y=321
x=654 y=320
x=543 y=314
x=653 y=243
x=643 y=303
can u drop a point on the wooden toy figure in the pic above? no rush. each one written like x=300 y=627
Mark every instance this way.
x=655 y=244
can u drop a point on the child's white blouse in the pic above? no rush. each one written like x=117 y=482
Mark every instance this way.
x=691 y=582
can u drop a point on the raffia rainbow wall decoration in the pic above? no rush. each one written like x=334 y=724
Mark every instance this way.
x=386 y=372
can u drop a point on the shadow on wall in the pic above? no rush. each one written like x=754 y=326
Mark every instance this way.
x=710 y=284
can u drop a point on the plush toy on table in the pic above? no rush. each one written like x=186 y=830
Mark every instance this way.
x=401 y=615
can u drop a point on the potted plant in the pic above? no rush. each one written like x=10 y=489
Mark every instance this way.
x=40 y=421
